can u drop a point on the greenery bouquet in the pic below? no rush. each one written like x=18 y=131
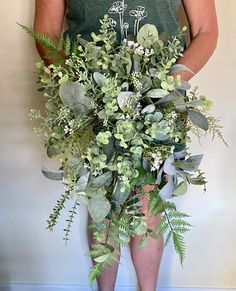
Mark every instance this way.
x=117 y=120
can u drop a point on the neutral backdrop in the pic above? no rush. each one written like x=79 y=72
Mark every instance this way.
x=31 y=254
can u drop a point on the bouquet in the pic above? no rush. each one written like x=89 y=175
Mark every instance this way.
x=117 y=120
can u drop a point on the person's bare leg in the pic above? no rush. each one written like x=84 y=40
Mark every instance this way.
x=107 y=280
x=147 y=259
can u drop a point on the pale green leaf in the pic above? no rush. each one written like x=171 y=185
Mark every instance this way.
x=198 y=119
x=98 y=208
x=157 y=93
x=181 y=188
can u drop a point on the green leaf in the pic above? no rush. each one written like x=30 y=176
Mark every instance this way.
x=197 y=181
x=72 y=95
x=118 y=195
x=141 y=228
x=181 y=188
x=157 y=93
x=99 y=78
x=82 y=183
x=198 y=119
x=98 y=208
x=184 y=85
x=166 y=99
x=147 y=35
x=178 y=68
x=51 y=107
x=123 y=98
x=53 y=150
x=136 y=66
x=96 y=192
x=52 y=175
x=148 y=109
x=146 y=84
x=102 y=258
x=100 y=181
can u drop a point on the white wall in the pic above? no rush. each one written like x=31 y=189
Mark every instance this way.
x=31 y=254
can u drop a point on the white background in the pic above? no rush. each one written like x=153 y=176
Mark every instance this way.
x=31 y=254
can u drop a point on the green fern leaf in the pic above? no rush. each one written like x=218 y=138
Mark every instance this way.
x=179 y=222
x=168 y=237
x=95 y=271
x=169 y=205
x=41 y=38
x=74 y=48
x=179 y=246
x=177 y=214
x=60 y=43
x=181 y=229
x=67 y=45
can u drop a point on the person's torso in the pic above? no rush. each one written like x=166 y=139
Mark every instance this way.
x=126 y=17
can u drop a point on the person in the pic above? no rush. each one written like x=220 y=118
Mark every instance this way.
x=127 y=17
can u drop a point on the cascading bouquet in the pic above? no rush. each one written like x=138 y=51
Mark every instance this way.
x=117 y=120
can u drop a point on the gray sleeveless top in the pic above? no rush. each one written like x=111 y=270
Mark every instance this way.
x=126 y=16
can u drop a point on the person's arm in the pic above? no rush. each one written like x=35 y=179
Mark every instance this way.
x=49 y=18
x=202 y=19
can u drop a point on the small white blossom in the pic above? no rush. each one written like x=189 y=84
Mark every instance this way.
x=94 y=104
x=105 y=122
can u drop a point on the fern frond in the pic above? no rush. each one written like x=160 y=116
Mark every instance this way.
x=168 y=237
x=95 y=271
x=179 y=246
x=181 y=229
x=155 y=204
x=169 y=205
x=60 y=43
x=67 y=45
x=41 y=38
x=179 y=222
x=74 y=48
x=177 y=214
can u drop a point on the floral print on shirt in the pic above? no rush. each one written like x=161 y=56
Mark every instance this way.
x=119 y=8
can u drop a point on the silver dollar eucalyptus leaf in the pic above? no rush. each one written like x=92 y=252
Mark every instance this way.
x=72 y=95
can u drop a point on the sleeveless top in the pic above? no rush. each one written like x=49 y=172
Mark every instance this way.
x=126 y=16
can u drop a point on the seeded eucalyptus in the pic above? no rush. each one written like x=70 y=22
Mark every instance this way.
x=117 y=119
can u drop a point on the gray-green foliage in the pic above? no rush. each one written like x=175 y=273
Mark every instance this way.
x=117 y=119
